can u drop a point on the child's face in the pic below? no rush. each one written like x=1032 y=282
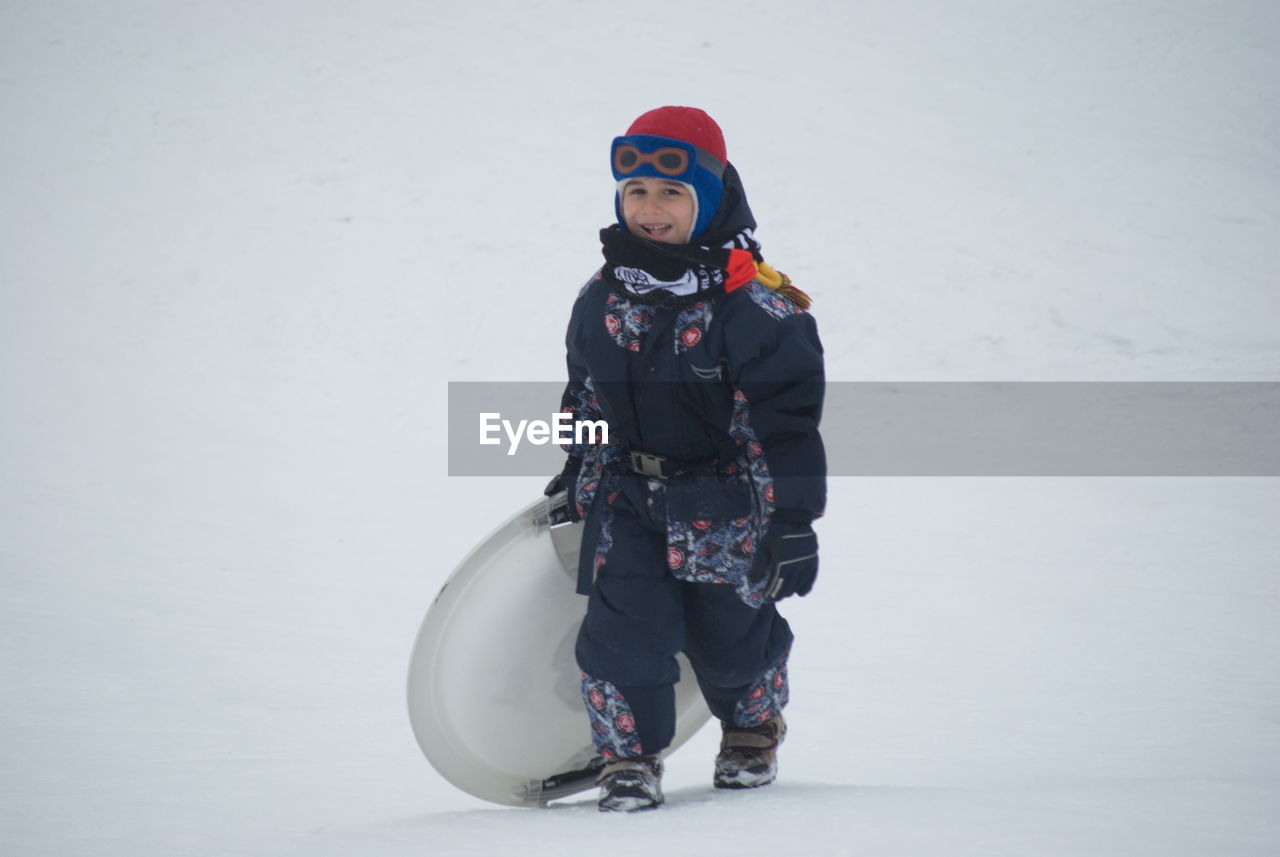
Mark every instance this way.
x=658 y=209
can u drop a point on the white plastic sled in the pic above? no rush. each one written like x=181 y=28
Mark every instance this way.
x=494 y=690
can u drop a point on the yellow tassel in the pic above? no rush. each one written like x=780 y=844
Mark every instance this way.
x=767 y=275
x=781 y=284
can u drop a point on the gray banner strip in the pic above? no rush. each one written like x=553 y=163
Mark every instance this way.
x=947 y=429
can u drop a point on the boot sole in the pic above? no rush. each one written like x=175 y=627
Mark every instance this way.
x=633 y=805
x=744 y=783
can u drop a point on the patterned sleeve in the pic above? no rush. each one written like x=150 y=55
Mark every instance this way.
x=776 y=367
x=579 y=398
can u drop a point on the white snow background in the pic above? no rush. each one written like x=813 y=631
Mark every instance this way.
x=246 y=244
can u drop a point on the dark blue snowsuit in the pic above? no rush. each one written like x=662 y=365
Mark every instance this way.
x=725 y=387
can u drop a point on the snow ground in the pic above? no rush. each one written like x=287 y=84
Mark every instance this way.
x=246 y=245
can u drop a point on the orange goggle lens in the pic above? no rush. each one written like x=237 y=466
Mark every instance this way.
x=668 y=160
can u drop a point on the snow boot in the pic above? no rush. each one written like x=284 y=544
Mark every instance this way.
x=628 y=785
x=749 y=754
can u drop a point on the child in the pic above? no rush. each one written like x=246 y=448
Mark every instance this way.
x=697 y=513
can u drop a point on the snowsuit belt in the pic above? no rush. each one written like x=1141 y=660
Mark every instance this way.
x=656 y=466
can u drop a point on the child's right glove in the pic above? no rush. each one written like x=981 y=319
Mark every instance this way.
x=565 y=481
x=788 y=561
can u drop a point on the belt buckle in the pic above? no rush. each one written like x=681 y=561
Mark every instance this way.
x=648 y=464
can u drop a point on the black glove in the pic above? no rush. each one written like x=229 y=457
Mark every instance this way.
x=566 y=480
x=555 y=486
x=788 y=561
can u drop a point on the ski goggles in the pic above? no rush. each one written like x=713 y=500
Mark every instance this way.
x=661 y=157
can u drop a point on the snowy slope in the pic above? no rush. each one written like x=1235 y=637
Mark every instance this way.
x=248 y=243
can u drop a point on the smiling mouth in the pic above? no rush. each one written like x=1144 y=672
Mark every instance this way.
x=656 y=230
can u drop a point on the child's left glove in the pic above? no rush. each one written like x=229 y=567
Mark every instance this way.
x=788 y=564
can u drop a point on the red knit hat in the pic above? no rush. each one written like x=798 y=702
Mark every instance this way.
x=683 y=123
